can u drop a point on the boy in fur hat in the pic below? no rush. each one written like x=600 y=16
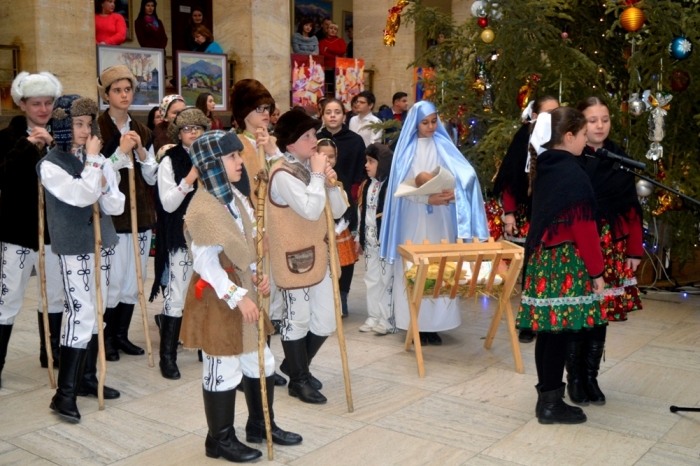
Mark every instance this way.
x=378 y=274
x=22 y=144
x=76 y=176
x=122 y=135
x=222 y=316
x=299 y=185
x=175 y=188
x=251 y=105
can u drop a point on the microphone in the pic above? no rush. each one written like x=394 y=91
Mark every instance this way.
x=625 y=161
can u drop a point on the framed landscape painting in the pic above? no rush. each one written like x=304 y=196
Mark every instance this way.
x=202 y=72
x=147 y=65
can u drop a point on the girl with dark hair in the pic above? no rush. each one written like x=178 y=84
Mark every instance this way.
x=564 y=272
x=512 y=182
x=204 y=40
x=378 y=274
x=150 y=31
x=196 y=18
x=303 y=41
x=619 y=218
x=110 y=27
x=343 y=228
x=206 y=103
x=350 y=155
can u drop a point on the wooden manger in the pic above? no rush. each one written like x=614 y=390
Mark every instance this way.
x=475 y=253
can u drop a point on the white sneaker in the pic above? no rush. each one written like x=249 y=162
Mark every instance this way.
x=380 y=329
x=364 y=328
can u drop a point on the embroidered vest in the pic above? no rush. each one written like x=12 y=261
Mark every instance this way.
x=298 y=247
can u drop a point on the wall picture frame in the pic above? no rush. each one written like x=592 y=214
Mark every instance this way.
x=147 y=66
x=203 y=72
x=126 y=9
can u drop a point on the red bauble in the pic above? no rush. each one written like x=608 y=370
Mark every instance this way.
x=628 y=2
x=680 y=80
x=483 y=22
x=564 y=35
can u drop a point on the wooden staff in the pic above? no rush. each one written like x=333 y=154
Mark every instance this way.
x=42 y=282
x=335 y=272
x=98 y=294
x=137 y=257
x=262 y=338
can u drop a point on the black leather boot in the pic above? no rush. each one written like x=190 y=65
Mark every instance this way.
x=219 y=408
x=110 y=320
x=69 y=375
x=526 y=335
x=592 y=355
x=88 y=386
x=313 y=344
x=553 y=410
x=55 y=338
x=5 y=332
x=575 y=373
x=562 y=393
x=169 y=335
x=121 y=335
x=279 y=380
x=299 y=378
x=255 y=427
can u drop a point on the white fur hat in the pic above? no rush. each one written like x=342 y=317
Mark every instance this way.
x=42 y=84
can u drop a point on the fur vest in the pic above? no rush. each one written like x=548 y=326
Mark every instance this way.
x=209 y=323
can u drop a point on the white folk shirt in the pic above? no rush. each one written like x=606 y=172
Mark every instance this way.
x=307 y=201
x=359 y=125
x=171 y=194
x=206 y=258
x=87 y=189
x=149 y=167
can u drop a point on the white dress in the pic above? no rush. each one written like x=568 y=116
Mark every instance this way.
x=420 y=221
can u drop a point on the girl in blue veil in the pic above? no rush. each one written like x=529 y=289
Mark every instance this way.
x=423 y=145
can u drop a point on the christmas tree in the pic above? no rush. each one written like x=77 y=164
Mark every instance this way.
x=511 y=51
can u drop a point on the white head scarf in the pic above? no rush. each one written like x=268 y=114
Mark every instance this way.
x=541 y=135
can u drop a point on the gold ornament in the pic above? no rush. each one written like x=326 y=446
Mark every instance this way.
x=667 y=201
x=487 y=36
x=632 y=19
x=393 y=23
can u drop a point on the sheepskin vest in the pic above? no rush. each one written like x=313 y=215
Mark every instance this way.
x=208 y=322
x=252 y=166
x=298 y=247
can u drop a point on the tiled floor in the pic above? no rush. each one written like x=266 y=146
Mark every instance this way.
x=472 y=408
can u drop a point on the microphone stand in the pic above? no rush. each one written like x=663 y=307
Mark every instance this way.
x=618 y=166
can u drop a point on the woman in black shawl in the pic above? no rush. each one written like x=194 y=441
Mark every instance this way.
x=512 y=183
x=619 y=218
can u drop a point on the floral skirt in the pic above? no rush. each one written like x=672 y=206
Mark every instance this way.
x=346 y=248
x=621 y=293
x=558 y=295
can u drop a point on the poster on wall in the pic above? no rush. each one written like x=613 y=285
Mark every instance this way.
x=147 y=65
x=308 y=80
x=349 y=79
x=315 y=10
x=203 y=72
x=423 y=82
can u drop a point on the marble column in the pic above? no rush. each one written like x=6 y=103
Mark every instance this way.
x=256 y=33
x=54 y=36
x=389 y=63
